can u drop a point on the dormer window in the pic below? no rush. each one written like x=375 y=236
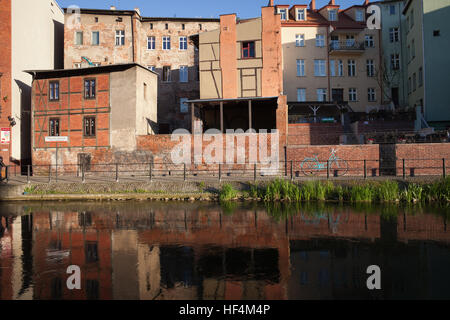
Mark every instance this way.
x=360 y=15
x=301 y=15
x=283 y=14
x=332 y=14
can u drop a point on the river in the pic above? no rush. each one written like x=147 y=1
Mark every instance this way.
x=199 y=251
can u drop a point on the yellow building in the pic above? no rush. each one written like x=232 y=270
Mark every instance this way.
x=330 y=56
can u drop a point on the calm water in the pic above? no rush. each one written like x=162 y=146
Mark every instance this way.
x=143 y=250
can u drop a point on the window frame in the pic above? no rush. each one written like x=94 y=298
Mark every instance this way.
x=300 y=40
x=301 y=67
x=321 y=65
x=370 y=68
x=90 y=134
x=54 y=90
x=186 y=68
x=369 y=41
x=166 y=43
x=351 y=66
x=151 y=43
x=92 y=93
x=169 y=78
x=371 y=95
x=299 y=18
x=249 y=49
x=320 y=40
x=359 y=16
x=335 y=15
x=323 y=92
x=183 y=41
x=352 y=94
x=120 y=38
x=52 y=127
x=76 y=38
x=304 y=94
x=92 y=38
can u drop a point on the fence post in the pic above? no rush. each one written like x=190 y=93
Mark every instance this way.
x=444 y=173
x=56 y=172
x=7 y=173
x=117 y=172
x=184 y=172
x=365 y=169
x=404 y=169
x=292 y=170
x=150 y=173
x=328 y=169
x=49 y=173
x=254 y=172
x=220 y=172
x=83 y=178
x=28 y=173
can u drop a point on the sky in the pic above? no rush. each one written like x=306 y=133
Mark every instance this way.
x=195 y=8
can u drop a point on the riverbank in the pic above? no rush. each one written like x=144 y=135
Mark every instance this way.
x=392 y=190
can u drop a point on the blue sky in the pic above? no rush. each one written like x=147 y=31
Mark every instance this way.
x=194 y=8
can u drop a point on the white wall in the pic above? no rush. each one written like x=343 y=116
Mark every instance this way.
x=33 y=47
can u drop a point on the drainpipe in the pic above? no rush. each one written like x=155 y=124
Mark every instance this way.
x=328 y=62
x=132 y=36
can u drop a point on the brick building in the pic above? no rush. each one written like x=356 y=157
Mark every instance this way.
x=165 y=45
x=100 y=110
x=44 y=41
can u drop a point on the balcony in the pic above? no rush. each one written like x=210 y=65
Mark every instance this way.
x=347 y=46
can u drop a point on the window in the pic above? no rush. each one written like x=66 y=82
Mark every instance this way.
x=319 y=68
x=79 y=38
x=370 y=43
x=183 y=105
x=184 y=74
x=92 y=289
x=371 y=97
x=54 y=91
x=340 y=68
x=248 y=49
x=370 y=68
x=332 y=15
x=351 y=68
x=95 y=38
x=301 y=14
x=394 y=34
x=96 y=19
x=359 y=15
x=300 y=68
x=283 y=14
x=89 y=89
x=392 y=10
x=151 y=68
x=414 y=82
x=167 y=26
x=352 y=96
x=200 y=26
x=166 y=43
x=301 y=95
x=395 y=61
x=120 y=37
x=166 y=74
x=77 y=65
x=350 y=42
x=321 y=95
x=436 y=33
x=183 y=43
x=151 y=43
x=151 y=26
x=299 y=40
x=89 y=126
x=420 y=77
x=91 y=252
x=333 y=68
x=183 y=26
x=53 y=127
x=320 y=40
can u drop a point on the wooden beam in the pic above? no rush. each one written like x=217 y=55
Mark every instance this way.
x=250 y=124
x=221 y=116
x=192 y=117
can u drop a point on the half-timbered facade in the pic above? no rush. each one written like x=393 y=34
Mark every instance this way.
x=92 y=112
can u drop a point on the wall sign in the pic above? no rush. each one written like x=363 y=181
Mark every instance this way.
x=5 y=136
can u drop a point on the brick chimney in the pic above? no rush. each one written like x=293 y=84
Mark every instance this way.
x=312 y=5
x=113 y=8
x=137 y=10
x=332 y=3
x=270 y=3
x=366 y=2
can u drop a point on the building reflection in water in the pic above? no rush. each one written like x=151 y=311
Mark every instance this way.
x=199 y=251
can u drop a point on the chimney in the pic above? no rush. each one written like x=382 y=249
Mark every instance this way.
x=270 y=3
x=332 y=3
x=366 y=2
x=113 y=8
x=138 y=11
x=312 y=5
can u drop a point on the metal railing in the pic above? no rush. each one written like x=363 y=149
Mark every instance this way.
x=336 y=45
x=314 y=167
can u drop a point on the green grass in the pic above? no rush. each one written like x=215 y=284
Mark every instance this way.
x=227 y=193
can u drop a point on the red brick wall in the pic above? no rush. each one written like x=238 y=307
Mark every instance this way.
x=354 y=155
x=71 y=108
x=5 y=69
x=314 y=134
x=424 y=158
